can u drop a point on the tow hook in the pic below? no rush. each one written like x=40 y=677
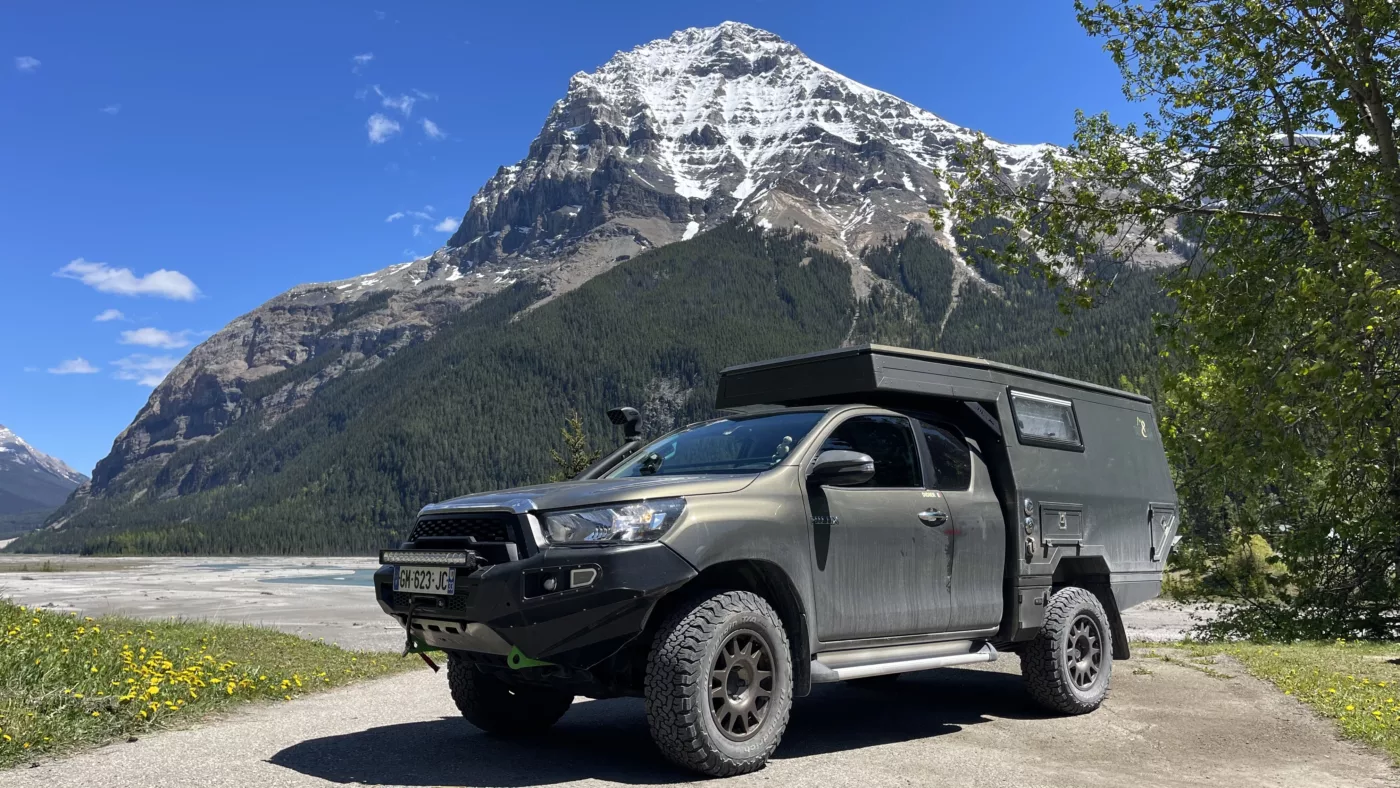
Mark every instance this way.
x=517 y=660
x=409 y=646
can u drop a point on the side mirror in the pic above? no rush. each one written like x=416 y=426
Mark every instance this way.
x=842 y=468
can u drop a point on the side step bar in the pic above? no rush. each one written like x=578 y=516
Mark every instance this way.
x=862 y=663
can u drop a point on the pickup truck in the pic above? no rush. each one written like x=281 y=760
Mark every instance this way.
x=856 y=515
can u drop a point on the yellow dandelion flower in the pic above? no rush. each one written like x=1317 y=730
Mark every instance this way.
x=1350 y=707
x=97 y=714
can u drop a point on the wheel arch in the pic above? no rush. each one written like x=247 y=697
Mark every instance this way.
x=1091 y=573
x=765 y=579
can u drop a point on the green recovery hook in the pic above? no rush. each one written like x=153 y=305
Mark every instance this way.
x=517 y=660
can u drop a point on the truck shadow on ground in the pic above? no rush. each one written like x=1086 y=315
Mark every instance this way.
x=608 y=740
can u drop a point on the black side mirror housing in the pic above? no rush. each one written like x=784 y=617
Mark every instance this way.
x=842 y=468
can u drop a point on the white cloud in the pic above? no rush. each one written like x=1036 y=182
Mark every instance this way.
x=403 y=104
x=31 y=369
x=423 y=94
x=433 y=130
x=448 y=225
x=360 y=62
x=427 y=217
x=73 y=366
x=155 y=337
x=108 y=315
x=417 y=230
x=395 y=216
x=111 y=109
x=381 y=128
x=143 y=369
x=379 y=15
x=27 y=64
x=102 y=277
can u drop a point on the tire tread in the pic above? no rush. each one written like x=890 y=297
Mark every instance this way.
x=678 y=663
x=1041 y=663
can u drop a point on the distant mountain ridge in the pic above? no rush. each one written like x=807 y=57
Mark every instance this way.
x=31 y=480
x=662 y=144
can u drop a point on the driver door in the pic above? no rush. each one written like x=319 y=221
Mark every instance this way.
x=877 y=566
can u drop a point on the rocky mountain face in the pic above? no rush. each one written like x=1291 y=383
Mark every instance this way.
x=31 y=480
x=657 y=145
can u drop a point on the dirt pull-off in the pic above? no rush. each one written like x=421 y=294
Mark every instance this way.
x=1164 y=725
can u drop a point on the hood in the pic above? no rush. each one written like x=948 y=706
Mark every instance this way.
x=573 y=494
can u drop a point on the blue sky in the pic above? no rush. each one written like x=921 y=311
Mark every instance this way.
x=180 y=163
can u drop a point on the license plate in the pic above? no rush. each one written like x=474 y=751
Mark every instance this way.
x=426 y=580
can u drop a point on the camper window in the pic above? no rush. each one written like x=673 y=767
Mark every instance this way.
x=1042 y=420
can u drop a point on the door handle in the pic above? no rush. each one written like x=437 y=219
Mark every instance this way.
x=933 y=518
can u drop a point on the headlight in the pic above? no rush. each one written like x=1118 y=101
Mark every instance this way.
x=643 y=521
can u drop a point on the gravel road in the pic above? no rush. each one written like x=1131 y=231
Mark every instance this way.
x=1172 y=726
x=1166 y=724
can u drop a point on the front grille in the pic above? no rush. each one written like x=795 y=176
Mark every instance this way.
x=476 y=528
x=456 y=602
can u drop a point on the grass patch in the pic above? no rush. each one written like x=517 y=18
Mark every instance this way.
x=1355 y=684
x=67 y=681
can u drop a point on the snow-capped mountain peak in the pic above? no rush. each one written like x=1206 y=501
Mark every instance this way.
x=15 y=451
x=716 y=121
x=658 y=144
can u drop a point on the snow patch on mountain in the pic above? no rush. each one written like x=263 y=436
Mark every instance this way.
x=18 y=453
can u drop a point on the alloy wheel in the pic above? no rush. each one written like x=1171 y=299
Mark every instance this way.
x=741 y=684
x=1084 y=652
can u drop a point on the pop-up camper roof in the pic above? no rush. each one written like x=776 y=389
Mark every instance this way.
x=847 y=374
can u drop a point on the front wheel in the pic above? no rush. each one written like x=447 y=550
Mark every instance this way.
x=500 y=708
x=1068 y=664
x=719 y=684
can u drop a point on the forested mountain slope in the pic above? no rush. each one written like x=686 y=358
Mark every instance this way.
x=658 y=144
x=480 y=406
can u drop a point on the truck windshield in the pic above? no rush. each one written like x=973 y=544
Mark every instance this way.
x=743 y=444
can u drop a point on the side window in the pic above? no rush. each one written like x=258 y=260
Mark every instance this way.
x=888 y=440
x=952 y=461
x=1045 y=421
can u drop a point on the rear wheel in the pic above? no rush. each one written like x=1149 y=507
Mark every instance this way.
x=1068 y=664
x=719 y=684
x=500 y=708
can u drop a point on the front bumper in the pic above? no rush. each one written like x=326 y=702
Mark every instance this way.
x=508 y=604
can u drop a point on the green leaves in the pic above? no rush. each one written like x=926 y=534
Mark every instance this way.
x=1268 y=161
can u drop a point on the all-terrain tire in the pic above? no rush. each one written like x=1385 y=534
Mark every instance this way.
x=500 y=708
x=1068 y=664
x=694 y=644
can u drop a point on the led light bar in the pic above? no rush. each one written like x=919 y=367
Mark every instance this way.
x=424 y=557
